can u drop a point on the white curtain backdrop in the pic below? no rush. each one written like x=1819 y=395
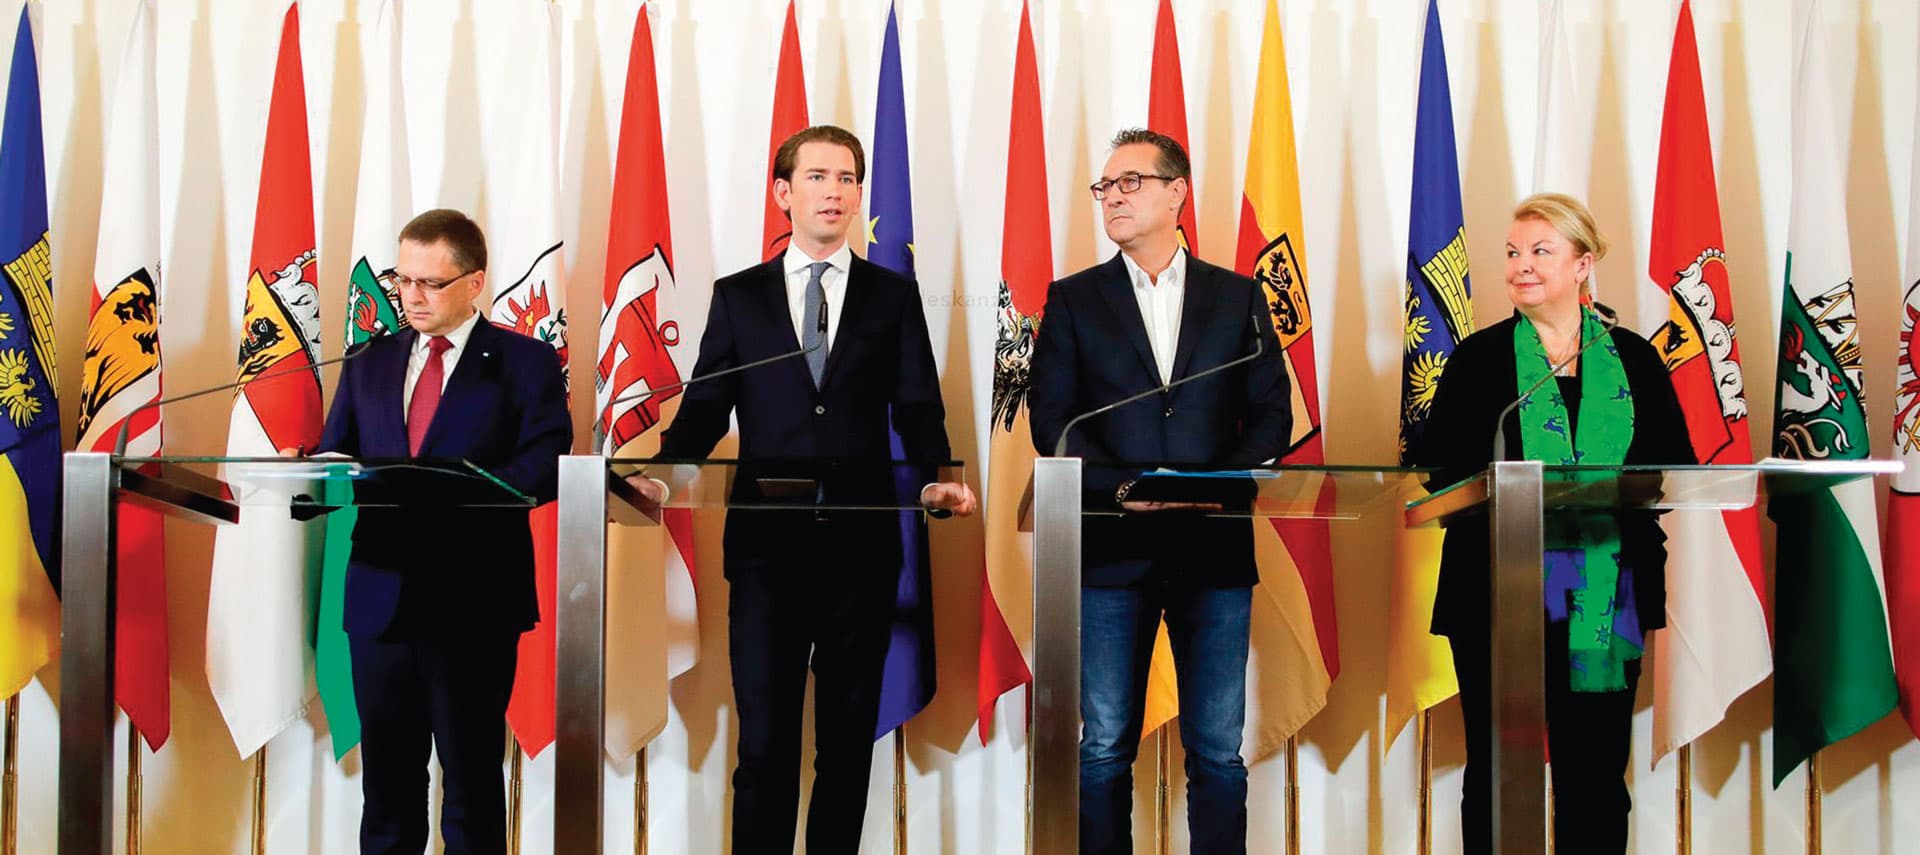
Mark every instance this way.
x=1353 y=65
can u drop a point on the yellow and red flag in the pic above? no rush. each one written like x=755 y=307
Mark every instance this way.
x=1295 y=647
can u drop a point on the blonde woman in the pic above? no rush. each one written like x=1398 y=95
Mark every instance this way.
x=1605 y=573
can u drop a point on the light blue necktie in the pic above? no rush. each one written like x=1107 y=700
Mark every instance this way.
x=813 y=326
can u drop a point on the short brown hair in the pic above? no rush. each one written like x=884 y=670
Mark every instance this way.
x=464 y=240
x=789 y=151
x=1173 y=161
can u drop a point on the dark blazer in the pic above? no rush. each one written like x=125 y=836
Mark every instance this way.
x=504 y=409
x=1480 y=380
x=1093 y=350
x=880 y=366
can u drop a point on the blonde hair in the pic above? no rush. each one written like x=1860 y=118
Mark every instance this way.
x=1573 y=221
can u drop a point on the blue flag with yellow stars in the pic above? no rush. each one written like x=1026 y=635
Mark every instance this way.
x=907 y=683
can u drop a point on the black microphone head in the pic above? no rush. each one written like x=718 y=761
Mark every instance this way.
x=1606 y=313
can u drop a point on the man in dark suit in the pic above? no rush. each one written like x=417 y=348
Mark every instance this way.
x=436 y=599
x=814 y=585
x=1152 y=315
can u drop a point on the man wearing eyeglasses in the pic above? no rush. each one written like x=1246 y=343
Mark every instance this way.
x=1147 y=318
x=436 y=598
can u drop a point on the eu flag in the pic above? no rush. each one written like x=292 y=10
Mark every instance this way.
x=29 y=415
x=908 y=681
x=1439 y=309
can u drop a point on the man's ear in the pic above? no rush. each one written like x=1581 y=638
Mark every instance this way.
x=782 y=191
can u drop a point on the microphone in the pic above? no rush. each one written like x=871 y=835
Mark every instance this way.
x=120 y=438
x=1608 y=320
x=821 y=326
x=1259 y=349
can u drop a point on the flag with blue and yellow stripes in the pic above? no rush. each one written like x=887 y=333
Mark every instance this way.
x=29 y=415
x=1439 y=313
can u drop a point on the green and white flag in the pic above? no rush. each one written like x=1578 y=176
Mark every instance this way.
x=383 y=205
x=1833 y=661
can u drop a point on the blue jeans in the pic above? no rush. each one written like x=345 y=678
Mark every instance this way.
x=1208 y=628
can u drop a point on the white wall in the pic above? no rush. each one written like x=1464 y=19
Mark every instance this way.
x=1353 y=66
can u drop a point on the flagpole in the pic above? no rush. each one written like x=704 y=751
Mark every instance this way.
x=1813 y=804
x=1423 y=744
x=513 y=793
x=1683 y=802
x=1161 y=803
x=260 y=801
x=900 y=790
x=640 y=801
x=133 y=789
x=9 y=780
x=1293 y=795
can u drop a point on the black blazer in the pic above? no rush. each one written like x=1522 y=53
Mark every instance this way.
x=434 y=569
x=1480 y=380
x=879 y=367
x=1093 y=350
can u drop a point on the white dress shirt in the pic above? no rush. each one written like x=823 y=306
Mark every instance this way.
x=1160 y=301
x=423 y=347
x=833 y=280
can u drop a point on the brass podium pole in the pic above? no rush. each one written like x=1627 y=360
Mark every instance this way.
x=1423 y=745
x=1683 y=802
x=260 y=801
x=900 y=790
x=1813 y=804
x=10 y=780
x=640 y=801
x=1293 y=795
x=514 y=776
x=133 y=789
x=1162 y=800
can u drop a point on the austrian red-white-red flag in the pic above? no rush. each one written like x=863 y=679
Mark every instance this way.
x=638 y=337
x=789 y=118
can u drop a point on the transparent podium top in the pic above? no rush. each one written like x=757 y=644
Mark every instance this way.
x=819 y=484
x=318 y=484
x=1573 y=488
x=1288 y=491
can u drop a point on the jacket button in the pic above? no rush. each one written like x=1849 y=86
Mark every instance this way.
x=820 y=410
x=1168 y=413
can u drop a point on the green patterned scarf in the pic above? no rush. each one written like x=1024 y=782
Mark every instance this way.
x=1583 y=550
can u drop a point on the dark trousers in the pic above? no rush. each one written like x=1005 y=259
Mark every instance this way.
x=836 y=616
x=1209 y=630
x=417 y=696
x=1588 y=734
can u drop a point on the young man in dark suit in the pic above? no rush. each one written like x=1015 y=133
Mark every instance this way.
x=1152 y=315
x=814 y=586
x=436 y=599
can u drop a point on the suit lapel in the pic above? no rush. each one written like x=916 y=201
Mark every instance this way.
x=1196 y=310
x=392 y=383
x=1118 y=290
x=859 y=287
x=475 y=363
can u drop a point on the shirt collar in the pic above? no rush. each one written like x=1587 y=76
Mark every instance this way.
x=457 y=336
x=1174 y=274
x=794 y=261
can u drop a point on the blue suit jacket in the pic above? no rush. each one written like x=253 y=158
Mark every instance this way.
x=879 y=367
x=438 y=568
x=1093 y=350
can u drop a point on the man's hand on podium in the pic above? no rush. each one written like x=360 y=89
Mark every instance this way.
x=653 y=492
x=949 y=496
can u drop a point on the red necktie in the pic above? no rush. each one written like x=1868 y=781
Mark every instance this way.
x=426 y=393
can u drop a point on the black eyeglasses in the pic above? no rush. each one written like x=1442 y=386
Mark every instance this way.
x=428 y=286
x=1127 y=182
